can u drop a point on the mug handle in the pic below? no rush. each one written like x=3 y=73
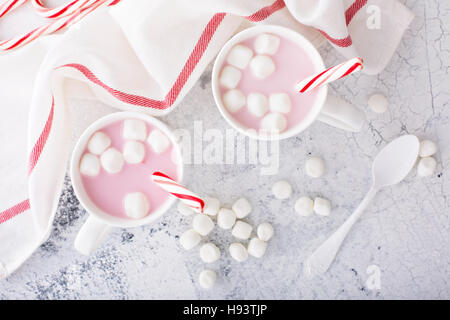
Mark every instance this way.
x=341 y=114
x=91 y=235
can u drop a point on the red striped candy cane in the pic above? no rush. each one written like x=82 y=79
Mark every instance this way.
x=329 y=75
x=10 y=5
x=188 y=197
x=59 y=22
x=63 y=10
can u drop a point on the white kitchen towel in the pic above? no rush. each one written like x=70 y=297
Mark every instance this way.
x=138 y=55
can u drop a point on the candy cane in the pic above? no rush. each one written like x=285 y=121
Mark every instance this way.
x=63 y=10
x=329 y=75
x=188 y=197
x=10 y=5
x=61 y=19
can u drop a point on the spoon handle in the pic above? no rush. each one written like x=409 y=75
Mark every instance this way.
x=321 y=259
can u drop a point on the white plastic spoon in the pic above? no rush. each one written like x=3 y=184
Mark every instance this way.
x=391 y=166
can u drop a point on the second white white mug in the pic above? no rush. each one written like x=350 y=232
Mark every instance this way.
x=327 y=108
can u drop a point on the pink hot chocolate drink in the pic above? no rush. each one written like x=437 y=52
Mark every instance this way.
x=269 y=66
x=254 y=82
x=127 y=172
x=111 y=171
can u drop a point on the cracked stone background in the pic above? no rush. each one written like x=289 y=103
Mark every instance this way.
x=405 y=232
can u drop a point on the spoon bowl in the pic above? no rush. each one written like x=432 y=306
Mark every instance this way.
x=395 y=161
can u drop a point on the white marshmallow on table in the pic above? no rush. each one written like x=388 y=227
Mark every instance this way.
x=378 y=103
x=239 y=56
x=133 y=151
x=426 y=166
x=226 y=218
x=322 y=206
x=267 y=44
x=98 y=143
x=304 y=206
x=280 y=102
x=136 y=205
x=112 y=160
x=238 y=252
x=209 y=252
x=89 y=165
x=427 y=148
x=265 y=231
x=315 y=167
x=134 y=129
x=207 y=279
x=257 y=247
x=212 y=206
x=274 y=122
x=282 y=189
x=158 y=141
x=230 y=77
x=257 y=104
x=202 y=224
x=241 y=208
x=242 y=230
x=190 y=239
x=262 y=66
x=234 y=100
x=184 y=209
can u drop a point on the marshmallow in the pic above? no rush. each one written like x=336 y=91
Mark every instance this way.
x=265 y=231
x=240 y=56
x=378 y=103
x=238 y=252
x=234 y=100
x=112 y=160
x=207 y=279
x=209 y=253
x=98 y=143
x=267 y=44
x=212 y=206
x=226 y=218
x=282 y=189
x=89 y=165
x=202 y=224
x=274 y=122
x=190 y=239
x=230 y=76
x=242 y=230
x=280 y=102
x=304 y=206
x=136 y=205
x=426 y=167
x=134 y=129
x=133 y=152
x=427 y=148
x=315 y=167
x=257 y=104
x=158 y=141
x=322 y=206
x=262 y=66
x=257 y=247
x=241 y=208
x=184 y=209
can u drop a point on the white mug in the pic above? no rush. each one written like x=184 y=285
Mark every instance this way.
x=99 y=223
x=329 y=109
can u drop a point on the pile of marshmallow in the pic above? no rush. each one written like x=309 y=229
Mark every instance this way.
x=227 y=219
x=102 y=155
x=305 y=206
x=272 y=110
x=427 y=163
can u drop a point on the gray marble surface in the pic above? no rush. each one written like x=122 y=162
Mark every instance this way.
x=405 y=232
